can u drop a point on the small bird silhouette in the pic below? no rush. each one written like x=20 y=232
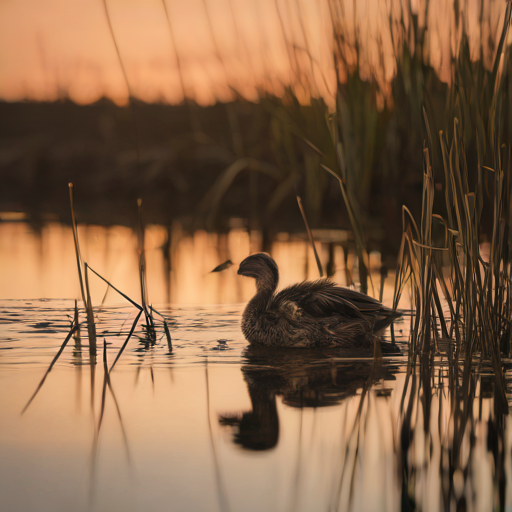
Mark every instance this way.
x=222 y=266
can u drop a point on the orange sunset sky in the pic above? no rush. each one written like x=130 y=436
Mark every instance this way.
x=58 y=48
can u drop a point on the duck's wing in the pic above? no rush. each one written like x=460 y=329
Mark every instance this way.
x=324 y=298
x=366 y=304
x=320 y=299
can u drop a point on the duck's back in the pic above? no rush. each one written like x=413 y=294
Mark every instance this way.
x=323 y=298
x=311 y=314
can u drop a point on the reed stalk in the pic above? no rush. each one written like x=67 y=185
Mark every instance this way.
x=150 y=326
x=310 y=236
x=84 y=281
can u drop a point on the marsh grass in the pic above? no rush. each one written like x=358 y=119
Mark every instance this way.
x=362 y=254
x=461 y=302
x=150 y=325
x=476 y=292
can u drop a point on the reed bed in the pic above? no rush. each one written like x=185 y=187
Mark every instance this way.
x=461 y=301
x=442 y=254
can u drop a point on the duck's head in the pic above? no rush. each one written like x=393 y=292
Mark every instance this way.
x=261 y=267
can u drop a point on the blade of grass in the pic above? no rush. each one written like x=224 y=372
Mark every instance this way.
x=91 y=324
x=310 y=236
x=168 y=336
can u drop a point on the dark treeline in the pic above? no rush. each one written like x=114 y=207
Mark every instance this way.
x=200 y=165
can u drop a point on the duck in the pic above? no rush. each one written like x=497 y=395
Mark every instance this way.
x=310 y=314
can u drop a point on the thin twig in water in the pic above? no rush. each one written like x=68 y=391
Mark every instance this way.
x=114 y=288
x=126 y=340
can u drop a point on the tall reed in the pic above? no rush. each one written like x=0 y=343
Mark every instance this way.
x=150 y=326
x=84 y=282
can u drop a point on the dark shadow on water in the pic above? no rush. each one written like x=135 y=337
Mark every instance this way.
x=448 y=425
x=303 y=378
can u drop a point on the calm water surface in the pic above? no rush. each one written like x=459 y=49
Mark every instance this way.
x=213 y=425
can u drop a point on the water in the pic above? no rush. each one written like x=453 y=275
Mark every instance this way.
x=214 y=425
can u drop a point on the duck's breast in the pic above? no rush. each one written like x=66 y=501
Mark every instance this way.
x=283 y=326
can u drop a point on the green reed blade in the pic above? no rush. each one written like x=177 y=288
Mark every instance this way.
x=360 y=248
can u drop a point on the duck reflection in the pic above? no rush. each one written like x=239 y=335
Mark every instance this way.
x=312 y=378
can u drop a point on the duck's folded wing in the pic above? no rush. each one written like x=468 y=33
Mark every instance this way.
x=322 y=298
x=366 y=304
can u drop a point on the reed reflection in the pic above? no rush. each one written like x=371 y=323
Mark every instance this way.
x=453 y=439
x=428 y=440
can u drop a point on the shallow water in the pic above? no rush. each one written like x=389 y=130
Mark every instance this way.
x=213 y=425
x=190 y=440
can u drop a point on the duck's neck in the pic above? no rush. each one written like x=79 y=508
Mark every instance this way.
x=266 y=287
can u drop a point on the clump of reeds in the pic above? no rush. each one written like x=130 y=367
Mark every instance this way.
x=476 y=292
x=83 y=273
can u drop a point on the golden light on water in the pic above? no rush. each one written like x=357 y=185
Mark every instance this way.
x=43 y=265
x=338 y=436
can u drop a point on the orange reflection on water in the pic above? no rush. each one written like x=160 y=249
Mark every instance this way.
x=179 y=264
x=307 y=430
x=361 y=451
